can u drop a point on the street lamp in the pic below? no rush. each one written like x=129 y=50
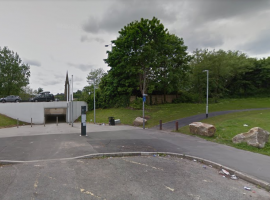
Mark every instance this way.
x=94 y=103
x=94 y=82
x=207 y=73
x=144 y=100
x=107 y=45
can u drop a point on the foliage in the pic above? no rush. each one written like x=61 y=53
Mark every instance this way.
x=144 y=57
x=39 y=90
x=94 y=77
x=226 y=71
x=8 y=122
x=136 y=104
x=13 y=73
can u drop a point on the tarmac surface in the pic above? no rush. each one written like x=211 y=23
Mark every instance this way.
x=46 y=172
x=121 y=178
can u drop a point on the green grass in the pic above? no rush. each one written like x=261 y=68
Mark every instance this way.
x=8 y=122
x=169 y=112
x=229 y=125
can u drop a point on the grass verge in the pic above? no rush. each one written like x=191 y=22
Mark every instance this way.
x=229 y=125
x=6 y=122
x=169 y=112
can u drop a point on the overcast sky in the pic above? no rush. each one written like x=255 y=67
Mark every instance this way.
x=56 y=36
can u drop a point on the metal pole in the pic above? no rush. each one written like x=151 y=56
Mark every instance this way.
x=176 y=126
x=160 y=124
x=31 y=122
x=44 y=121
x=57 y=120
x=207 y=95
x=72 y=101
x=94 y=104
x=69 y=104
x=17 y=122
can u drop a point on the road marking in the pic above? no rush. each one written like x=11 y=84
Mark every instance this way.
x=142 y=164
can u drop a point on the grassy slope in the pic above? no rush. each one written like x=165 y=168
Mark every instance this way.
x=229 y=125
x=169 y=112
x=8 y=122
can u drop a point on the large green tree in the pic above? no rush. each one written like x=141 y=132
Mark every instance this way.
x=145 y=57
x=173 y=69
x=134 y=55
x=14 y=74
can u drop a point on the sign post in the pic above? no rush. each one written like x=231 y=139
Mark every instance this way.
x=83 y=121
x=144 y=100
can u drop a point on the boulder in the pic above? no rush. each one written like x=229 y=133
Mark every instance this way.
x=256 y=137
x=200 y=128
x=139 y=121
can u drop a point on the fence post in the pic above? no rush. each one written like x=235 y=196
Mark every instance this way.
x=176 y=126
x=160 y=124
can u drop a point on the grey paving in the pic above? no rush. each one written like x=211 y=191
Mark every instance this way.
x=122 y=178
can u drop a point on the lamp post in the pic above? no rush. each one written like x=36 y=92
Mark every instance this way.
x=94 y=103
x=107 y=45
x=72 y=101
x=207 y=74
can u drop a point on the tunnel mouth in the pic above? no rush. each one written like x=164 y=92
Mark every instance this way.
x=52 y=119
x=54 y=115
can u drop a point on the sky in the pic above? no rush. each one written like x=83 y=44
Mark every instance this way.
x=59 y=36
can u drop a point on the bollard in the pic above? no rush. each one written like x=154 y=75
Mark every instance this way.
x=160 y=124
x=176 y=126
x=31 y=122
x=17 y=122
x=57 y=120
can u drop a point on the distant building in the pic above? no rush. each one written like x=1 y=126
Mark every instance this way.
x=67 y=88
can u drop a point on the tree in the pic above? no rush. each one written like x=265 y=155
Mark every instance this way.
x=134 y=55
x=173 y=69
x=94 y=77
x=13 y=73
x=226 y=72
x=39 y=90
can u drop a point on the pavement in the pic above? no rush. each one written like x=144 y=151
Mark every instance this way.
x=43 y=146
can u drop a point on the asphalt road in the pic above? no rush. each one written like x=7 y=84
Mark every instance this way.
x=55 y=146
x=121 y=178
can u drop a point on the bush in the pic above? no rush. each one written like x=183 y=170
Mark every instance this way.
x=137 y=104
x=186 y=97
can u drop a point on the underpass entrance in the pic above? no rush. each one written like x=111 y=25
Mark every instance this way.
x=51 y=114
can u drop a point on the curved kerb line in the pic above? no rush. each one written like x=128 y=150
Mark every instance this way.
x=240 y=175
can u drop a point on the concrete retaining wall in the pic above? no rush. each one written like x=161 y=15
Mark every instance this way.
x=35 y=110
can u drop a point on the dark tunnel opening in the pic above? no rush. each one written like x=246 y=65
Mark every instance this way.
x=52 y=119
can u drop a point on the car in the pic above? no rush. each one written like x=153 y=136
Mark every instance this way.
x=11 y=98
x=43 y=97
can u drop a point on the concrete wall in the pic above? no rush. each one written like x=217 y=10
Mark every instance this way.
x=35 y=110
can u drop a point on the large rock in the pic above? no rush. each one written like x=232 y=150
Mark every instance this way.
x=139 y=121
x=256 y=137
x=200 y=128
